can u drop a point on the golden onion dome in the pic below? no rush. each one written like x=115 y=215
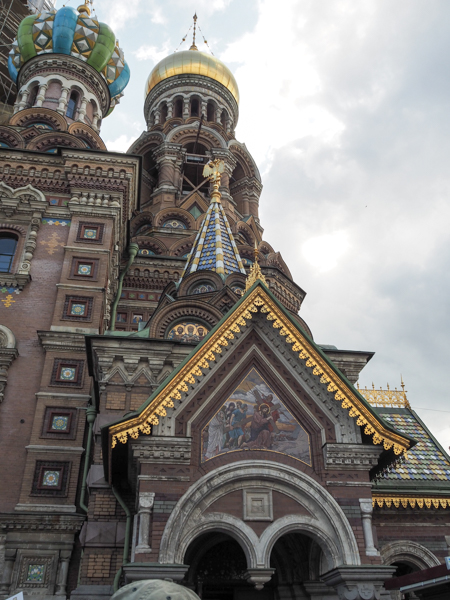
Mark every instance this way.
x=193 y=62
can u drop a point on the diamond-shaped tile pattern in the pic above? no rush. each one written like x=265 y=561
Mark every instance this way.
x=214 y=248
x=43 y=32
x=115 y=65
x=85 y=36
x=425 y=461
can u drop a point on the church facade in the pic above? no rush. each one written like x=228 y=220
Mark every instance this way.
x=165 y=411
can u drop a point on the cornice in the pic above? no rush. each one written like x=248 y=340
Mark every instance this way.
x=410 y=501
x=70 y=523
x=257 y=299
x=351 y=456
x=62 y=341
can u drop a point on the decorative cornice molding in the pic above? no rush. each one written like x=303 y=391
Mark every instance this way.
x=411 y=501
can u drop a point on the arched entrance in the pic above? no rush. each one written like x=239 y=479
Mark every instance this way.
x=218 y=570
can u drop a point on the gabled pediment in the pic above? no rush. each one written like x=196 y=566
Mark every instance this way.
x=257 y=303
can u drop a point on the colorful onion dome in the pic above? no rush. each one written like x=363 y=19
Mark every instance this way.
x=193 y=62
x=72 y=32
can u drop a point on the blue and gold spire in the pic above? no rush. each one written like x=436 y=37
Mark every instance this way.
x=214 y=248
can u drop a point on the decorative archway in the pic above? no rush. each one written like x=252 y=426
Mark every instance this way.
x=323 y=519
x=410 y=553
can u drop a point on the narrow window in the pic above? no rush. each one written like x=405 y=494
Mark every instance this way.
x=72 y=105
x=179 y=108
x=224 y=118
x=163 y=114
x=210 y=112
x=8 y=245
x=194 y=108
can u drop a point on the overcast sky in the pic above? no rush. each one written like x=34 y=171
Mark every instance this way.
x=345 y=105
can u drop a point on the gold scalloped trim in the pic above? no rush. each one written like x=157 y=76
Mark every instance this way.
x=399 y=502
x=193 y=370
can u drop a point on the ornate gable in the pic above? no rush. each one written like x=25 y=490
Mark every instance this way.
x=257 y=305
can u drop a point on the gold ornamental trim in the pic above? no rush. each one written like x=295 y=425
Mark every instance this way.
x=385 y=398
x=404 y=502
x=257 y=301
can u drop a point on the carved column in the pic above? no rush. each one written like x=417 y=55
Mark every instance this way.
x=41 y=94
x=204 y=110
x=186 y=111
x=62 y=106
x=82 y=111
x=169 y=110
x=24 y=99
x=10 y=557
x=63 y=569
x=366 y=515
x=145 y=507
x=95 y=121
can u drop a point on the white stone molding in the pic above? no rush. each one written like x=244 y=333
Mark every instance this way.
x=258 y=505
x=326 y=522
x=411 y=553
x=366 y=516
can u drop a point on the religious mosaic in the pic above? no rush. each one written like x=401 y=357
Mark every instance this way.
x=145 y=252
x=175 y=224
x=84 y=269
x=78 y=309
x=187 y=332
x=254 y=418
x=68 y=373
x=203 y=288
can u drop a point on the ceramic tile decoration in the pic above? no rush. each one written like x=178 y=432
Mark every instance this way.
x=255 y=418
x=60 y=422
x=203 y=288
x=425 y=460
x=51 y=478
x=84 y=269
x=68 y=373
x=35 y=573
x=78 y=309
x=174 y=224
x=90 y=234
x=145 y=252
x=121 y=317
x=137 y=318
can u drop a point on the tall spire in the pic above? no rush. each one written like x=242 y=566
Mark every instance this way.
x=214 y=248
x=194 y=47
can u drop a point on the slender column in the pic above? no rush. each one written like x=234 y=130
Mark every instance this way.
x=204 y=110
x=170 y=110
x=146 y=500
x=23 y=101
x=366 y=515
x=63 y=569
x=41 y=94
x=218 y=114
x=62 y=106
x=157 y=117
x=82 y=111
x=186 y=108
x=95 y=121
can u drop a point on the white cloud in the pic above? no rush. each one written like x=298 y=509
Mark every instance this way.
x=325 y=251
x=152 y=53
x=120 y=144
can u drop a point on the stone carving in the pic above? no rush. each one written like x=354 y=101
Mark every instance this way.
x=154 y=589
x=146 y=500
x=8 y=353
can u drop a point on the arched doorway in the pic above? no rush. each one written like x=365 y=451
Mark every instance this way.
x=218 y=569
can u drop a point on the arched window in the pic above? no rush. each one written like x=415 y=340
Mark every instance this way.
x=194 y=107
x=33 y=95
x=72 y=105
x=224 y=118
x=164 y=112
x=8 y=245
x=210 y=112
x=178 y=108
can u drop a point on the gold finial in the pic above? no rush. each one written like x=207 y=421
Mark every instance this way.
x=255 y=272
x=194 y=47
x=84 y=8
x=402 y=382
x=213 y=171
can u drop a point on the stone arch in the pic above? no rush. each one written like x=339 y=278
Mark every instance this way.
x=203 y=275
x=325 y=521
x=52 y=139
x=87 y=134
x=182 y=247
x=27 y=190
x=188 y=133
x=7 y=338
x=28 y=116
x=11 y=138
x=175 y=213
x=187 y=309
x=408 y=552
x=245 y=159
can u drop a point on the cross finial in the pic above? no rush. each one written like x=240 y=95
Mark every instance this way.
x=194 y=47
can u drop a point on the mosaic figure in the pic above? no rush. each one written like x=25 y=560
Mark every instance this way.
x=187 y=332
x=254 y=418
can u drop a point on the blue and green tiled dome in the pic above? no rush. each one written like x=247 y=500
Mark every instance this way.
x=72 y=32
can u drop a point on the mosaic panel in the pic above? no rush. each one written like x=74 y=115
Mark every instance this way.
x=187 y=332
x=84 y=269
x=43 y=32
x=203 y=288
x=90 y=234
x=237 y=290
x=50 y=478
x=425 y=460
x=35 y=573
x=85 y=36
x=60 y=422
x=146 y=252
x=78 y=309
x=68 y=373
x=61 y=222
x=255 y=418
x=174 y=224
x=137 y=318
